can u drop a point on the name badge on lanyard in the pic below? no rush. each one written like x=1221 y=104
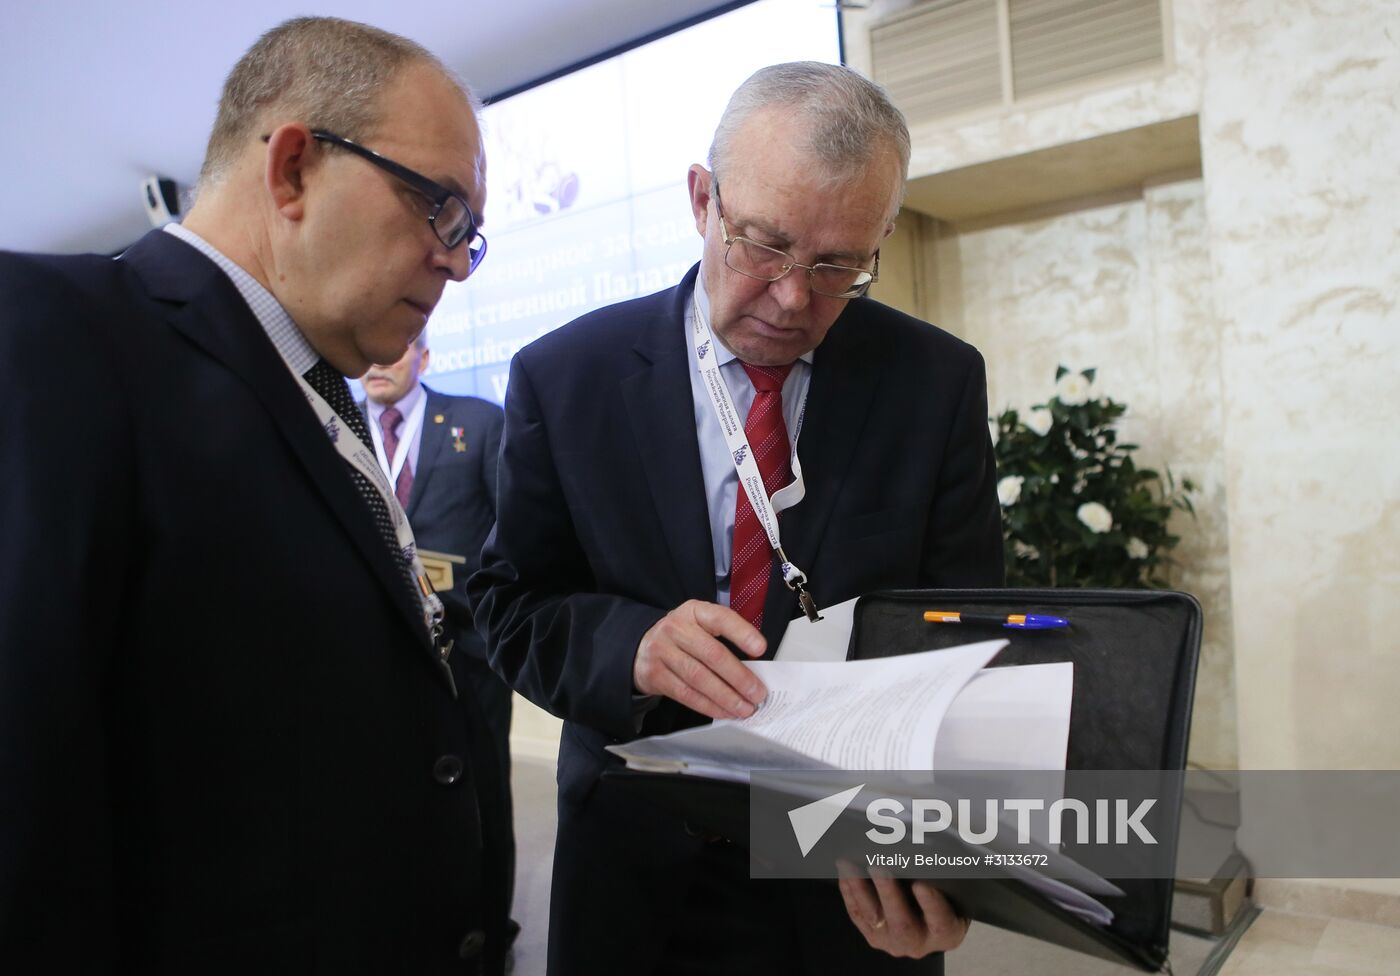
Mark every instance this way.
x=750 y=480
x=363 y=460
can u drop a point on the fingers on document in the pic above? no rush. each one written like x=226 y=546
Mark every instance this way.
x=724 y=622
x=681 y=659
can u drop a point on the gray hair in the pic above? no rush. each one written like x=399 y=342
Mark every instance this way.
x=324 y=71
x=849 y=118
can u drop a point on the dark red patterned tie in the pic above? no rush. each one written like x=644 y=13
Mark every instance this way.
x=389 y=426
x=768 y=439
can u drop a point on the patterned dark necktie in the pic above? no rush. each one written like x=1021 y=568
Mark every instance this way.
x=768 y=439
x=326 y=380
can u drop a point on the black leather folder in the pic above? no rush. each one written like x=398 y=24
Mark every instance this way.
x=1135 y=655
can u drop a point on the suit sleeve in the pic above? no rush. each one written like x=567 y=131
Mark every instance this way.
x=963 y=547
x=66 y=516
x=548 y=632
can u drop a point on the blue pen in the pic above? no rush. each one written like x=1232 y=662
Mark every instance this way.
x=1016 y=621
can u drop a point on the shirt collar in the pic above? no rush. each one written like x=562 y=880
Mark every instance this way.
x=291 y=345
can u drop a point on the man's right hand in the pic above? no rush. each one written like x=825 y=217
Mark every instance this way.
x=680 y=658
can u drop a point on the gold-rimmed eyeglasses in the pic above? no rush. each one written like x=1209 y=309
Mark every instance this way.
x=748 y=257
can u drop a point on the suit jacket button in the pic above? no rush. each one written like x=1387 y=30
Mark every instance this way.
x=447 y=770
x=472 y=943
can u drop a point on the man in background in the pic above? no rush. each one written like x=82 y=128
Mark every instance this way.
x=439 y=453
x=626 y=550
x=228 y=735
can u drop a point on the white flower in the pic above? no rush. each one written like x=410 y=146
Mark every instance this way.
x=1095 y=516
x=1080 y=485
x=1024 y=551
x=1009 y=489
x=1072 y=389
x=1137 y=549
x=1054 y=479
x=1039 y=421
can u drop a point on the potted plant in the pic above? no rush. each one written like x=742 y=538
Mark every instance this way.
x=1076 y=509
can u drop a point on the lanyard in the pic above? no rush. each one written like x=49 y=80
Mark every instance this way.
x=411 y=423
x=353 y=451
x=750 y=480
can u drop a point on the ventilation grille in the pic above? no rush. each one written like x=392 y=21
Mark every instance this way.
x=950 y=57
x=1055 y=43
x=942 y=60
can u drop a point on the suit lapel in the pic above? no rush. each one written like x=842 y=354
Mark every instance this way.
x=662 y=413
x=211 y=313
x=431 y=441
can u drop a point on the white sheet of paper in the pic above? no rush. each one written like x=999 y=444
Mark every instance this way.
x=821 y=640
x=878 y=714
x=1009 y=718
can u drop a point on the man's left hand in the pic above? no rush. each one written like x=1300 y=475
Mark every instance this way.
x=903 y=919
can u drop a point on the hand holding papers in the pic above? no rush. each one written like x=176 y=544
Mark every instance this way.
x=933 y=710
x=681 y=659
x=887 y=713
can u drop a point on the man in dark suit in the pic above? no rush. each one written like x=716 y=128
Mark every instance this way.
x=439 y=453
x=628 y=544
x=228 y=739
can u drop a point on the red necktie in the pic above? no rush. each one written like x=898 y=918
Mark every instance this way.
x=768 y=439
x=389 y=426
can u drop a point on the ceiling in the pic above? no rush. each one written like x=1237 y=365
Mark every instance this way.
x=96 y=96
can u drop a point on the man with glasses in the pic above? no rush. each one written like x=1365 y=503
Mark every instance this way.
x=230 y=739
x=648 y=451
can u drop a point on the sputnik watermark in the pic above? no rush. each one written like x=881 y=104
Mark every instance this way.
x=1110 y=820
x=886 y=816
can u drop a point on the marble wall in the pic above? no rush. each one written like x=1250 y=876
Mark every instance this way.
x=1123 y=284
x=1300 y=134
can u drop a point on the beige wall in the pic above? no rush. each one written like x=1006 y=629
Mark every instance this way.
x=1122 y=284
x=1300 y=128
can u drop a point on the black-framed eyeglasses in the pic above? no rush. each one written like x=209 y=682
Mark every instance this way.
x=450 y=217
x=748 y=257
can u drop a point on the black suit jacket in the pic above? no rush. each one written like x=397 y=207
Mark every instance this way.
x=225 y=745
x=602 y=528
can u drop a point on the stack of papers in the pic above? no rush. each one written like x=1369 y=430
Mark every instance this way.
x=940 y=709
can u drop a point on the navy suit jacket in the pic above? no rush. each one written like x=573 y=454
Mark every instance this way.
x=453 y=503
x=602 y=529
x=225 y=743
